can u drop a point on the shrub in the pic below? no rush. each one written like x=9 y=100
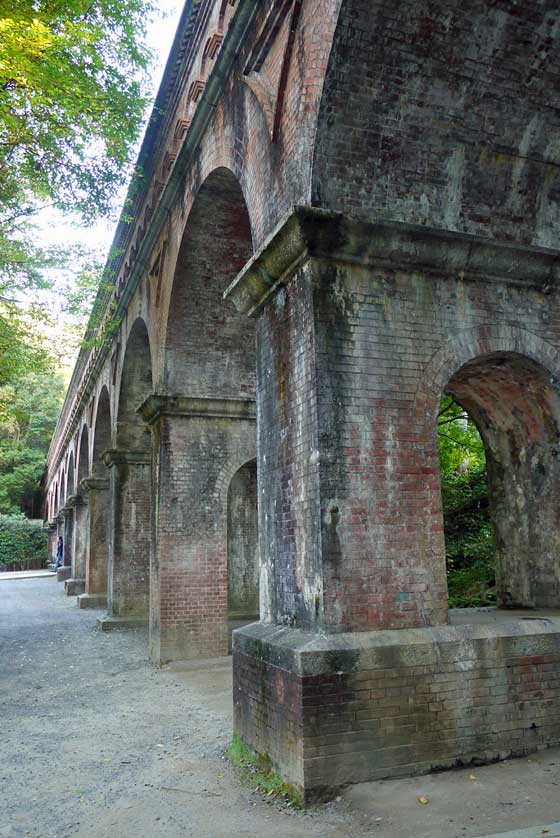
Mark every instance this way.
x=23 y=542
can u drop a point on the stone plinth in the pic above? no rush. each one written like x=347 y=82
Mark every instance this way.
x=74 y=587
x=363 y=706
x=92 y=601
x=63 y=573
x=112 y=623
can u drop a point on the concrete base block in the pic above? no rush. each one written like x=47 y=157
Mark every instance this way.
x=63 y=573
x=348 y=708
x=112 y=623
x=92 y=601
x=74 y=587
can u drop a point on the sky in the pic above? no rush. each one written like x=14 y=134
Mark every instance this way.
x=53 y=227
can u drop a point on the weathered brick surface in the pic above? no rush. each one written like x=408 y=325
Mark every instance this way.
x=440 y=115
x=394 y=704
x=444 y=114
x=197 y=456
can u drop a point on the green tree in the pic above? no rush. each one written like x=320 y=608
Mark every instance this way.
x=29 y=408
x=468 y=537
x=71 y=108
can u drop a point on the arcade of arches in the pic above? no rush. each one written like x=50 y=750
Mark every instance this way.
x=349 y=210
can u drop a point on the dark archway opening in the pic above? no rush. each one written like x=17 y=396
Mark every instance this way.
x=515 y=405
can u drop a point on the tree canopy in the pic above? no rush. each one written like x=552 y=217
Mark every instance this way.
x=71 y=108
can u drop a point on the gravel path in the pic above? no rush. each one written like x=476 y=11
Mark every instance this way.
x=96 y=742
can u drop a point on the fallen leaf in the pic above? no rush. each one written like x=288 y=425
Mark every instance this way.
x=472 y=776
x=423 y=800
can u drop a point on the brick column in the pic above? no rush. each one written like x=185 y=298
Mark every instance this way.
x=198 y=445
x=334 y=683
x=129 y=537
x=67 y=513
x=53 y=538
x=75 y=585
x=97 y=553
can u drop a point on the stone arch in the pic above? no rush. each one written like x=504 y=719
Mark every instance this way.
x=209 y=347
x=101 y=433
x=70 y=488
x=83 y=456
x=130 y=478
x=61 y=490
x=97 y=555
x=438 y=167
x=135 y=385
x=242 y=546
x=508 y=380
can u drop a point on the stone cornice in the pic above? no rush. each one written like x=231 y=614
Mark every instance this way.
x=157 y=406
x=311 y=233
x=94 y=484
x=118 y=457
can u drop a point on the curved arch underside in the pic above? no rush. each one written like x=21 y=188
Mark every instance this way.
x=209 y=346
x=516 y=406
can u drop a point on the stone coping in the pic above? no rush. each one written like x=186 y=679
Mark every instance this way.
x=309 y=232
x=156 y=406
x=115 y=456
x=308 y=654
x=94 y=484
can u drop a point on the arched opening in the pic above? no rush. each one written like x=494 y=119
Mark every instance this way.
x=208 y=430
x=83 y=457
x=469 y=551
x=242 y=547
x=61 y=491
x=70 y=476
x=210 y=347
x=136 y=385
x=101 y=434
x=130 y=477
x=80 y=533
x=97 y=556
x=515 y=404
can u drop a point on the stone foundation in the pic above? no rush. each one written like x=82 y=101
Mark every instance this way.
x=348 y=708
x=63 y=573
x=112 y=623
x=92 y=601
x=74 y=587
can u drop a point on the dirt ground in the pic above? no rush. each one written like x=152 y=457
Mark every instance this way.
x=96 y=742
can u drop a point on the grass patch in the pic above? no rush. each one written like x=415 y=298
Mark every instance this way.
x=256 y=770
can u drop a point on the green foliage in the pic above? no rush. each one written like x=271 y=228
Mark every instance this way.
x=72 y=77
x=468 y=537
x=256 y=771
x=21 y=541
x=29 y=408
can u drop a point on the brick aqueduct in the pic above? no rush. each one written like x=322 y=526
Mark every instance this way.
x=348 y=209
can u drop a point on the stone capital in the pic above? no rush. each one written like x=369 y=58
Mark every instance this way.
x=52 y=526
x=311 y=233
x=157 y=406
x=94 y=484
x=73 y=501
x=117 y=457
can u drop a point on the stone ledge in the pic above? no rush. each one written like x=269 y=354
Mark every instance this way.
x=306 y=654
x=157 y=406
x=74 y=587
x=112 y=623
x=63 y=573
x=118 y=457
x=92 y=601
x=312 y=233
